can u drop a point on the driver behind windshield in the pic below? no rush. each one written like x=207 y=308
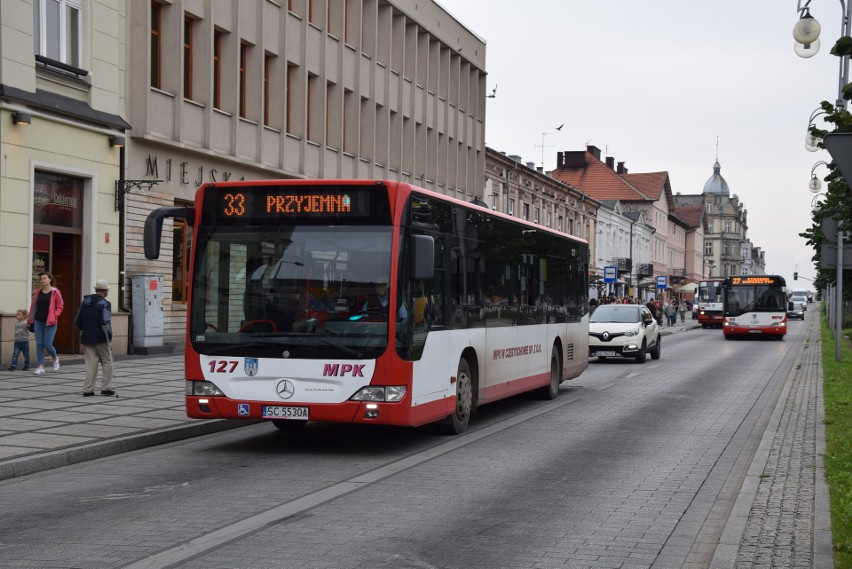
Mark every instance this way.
x=377 y=301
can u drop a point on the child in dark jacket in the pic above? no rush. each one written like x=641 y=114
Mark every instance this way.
x=22 y=341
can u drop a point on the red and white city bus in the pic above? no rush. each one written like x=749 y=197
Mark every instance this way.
x=754 y=305
x=369 y=301
x=710 y=303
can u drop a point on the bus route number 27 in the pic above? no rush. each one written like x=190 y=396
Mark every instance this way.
x=223 y=366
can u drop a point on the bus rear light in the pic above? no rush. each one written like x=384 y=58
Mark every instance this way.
x=391 y=393
x=203 y=389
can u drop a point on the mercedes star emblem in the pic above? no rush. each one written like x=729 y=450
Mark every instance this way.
x=286 y=389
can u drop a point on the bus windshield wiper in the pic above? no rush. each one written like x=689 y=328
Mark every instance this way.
x=324 y=339
x=227 y=347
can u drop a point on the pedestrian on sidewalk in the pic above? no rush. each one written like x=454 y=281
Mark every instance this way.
x=671 y=313
x=681 y=308
x=22 y=341
x=94 y=319
x=44 y=313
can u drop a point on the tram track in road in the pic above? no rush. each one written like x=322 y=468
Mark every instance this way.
x=173 y=556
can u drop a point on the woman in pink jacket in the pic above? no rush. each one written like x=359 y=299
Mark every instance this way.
x=44 y=313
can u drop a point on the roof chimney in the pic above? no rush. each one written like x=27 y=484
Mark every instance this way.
x=570 y=159
x=594 y=151
x=610 y=161
x=621 y=168
x=531 y=165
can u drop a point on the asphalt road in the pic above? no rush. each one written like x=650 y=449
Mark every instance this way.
x=633 y=465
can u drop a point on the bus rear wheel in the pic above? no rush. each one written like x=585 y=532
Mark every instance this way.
x=550 y=391
x=457 y=423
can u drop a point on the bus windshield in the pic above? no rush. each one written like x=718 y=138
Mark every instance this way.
x=709 y=291
x=301 y=291
x=754 y=298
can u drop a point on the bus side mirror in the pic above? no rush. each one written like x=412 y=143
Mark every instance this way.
x=422 y=256
x=154 y=227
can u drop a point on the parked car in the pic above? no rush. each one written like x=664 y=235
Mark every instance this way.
x=623 y=331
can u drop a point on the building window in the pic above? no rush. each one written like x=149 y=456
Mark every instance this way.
x=708 y=248
x=536 y=215
x=727 y=226
x=57 y=30
x=180 y=259
x=217 y=69
x=267 y=64
x=291 y=86
x=559 y=223
x=526 y=212
x=549 y=219
x=155 y=45
x=243 y=71
x=187 y=57
x=511 y=209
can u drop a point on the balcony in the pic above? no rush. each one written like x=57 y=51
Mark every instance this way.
x=644 y=269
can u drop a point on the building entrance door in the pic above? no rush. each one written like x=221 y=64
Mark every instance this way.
x=57 y=246
x=66 y=271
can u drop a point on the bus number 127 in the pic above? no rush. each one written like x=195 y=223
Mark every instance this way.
x=221 y=366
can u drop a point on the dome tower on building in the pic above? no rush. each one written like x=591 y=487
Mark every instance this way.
x=717 y=184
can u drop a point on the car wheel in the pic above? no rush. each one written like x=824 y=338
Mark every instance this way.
x=640 y=357
x=457 y=423
x=655 y=353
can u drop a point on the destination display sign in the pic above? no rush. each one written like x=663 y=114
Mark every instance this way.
x=298 y=204
x=736 y=281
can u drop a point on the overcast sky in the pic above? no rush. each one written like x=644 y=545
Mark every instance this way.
x=654 y=83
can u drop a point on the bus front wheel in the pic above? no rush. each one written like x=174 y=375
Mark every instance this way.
x=289 y=425
x=457 y=423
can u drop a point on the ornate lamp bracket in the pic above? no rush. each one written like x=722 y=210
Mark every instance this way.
x=123 y=187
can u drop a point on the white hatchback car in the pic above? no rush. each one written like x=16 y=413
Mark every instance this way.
x=623 y=331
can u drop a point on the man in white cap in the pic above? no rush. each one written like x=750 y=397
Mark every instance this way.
x=94 y=319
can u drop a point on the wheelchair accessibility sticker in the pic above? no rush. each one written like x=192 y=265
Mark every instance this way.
x=243 y=409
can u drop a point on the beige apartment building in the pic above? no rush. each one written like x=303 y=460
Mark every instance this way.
x=111 y=108
x=62 y=108
x=221 y=90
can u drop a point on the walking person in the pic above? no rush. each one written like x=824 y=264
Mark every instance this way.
x=671 y=313
x=681 y=308
x=22 y=341
x=94 y=319
x=44 y=313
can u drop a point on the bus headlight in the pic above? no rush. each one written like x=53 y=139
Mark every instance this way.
x=203 y=389
x=389 y=393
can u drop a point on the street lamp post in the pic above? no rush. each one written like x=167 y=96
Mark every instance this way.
x=806 y=33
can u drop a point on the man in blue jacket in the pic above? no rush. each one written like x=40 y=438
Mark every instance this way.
x=94 y=319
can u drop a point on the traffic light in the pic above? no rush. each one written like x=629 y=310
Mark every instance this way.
x=795 y=276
